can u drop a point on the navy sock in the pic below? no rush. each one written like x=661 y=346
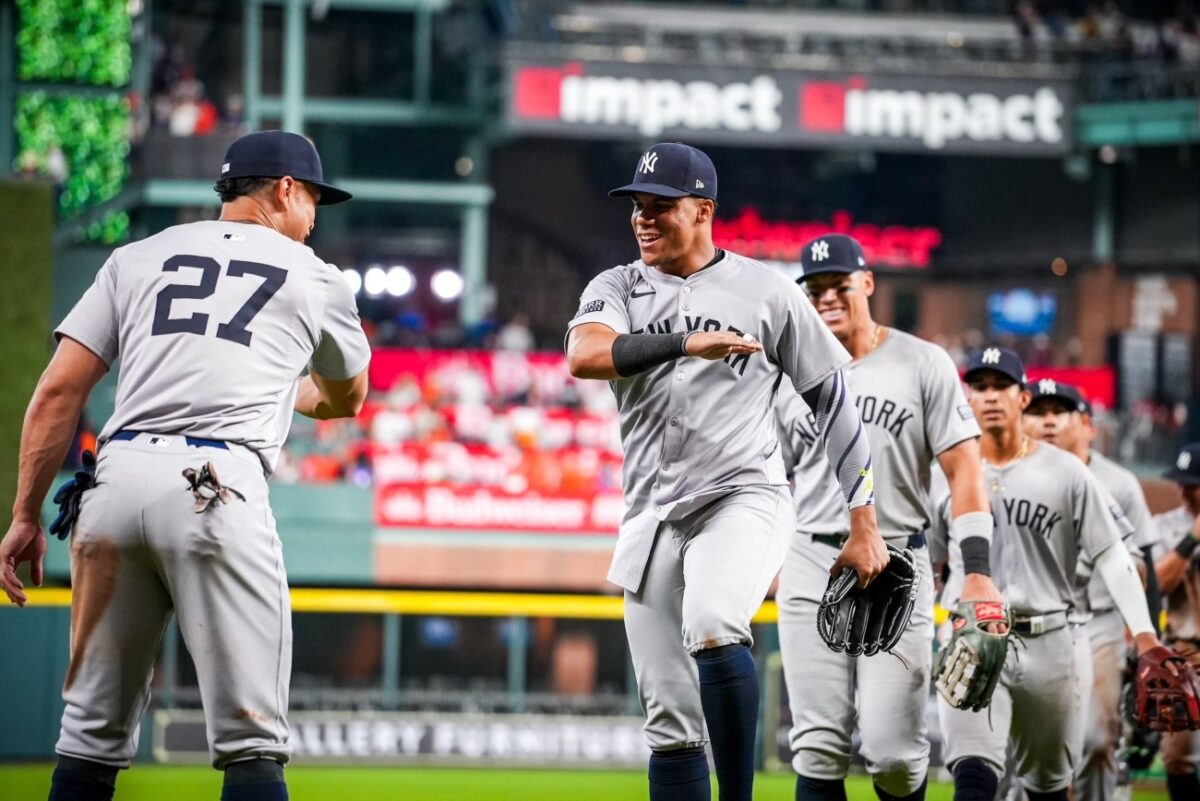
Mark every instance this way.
x=810 y=789
x=1183 y=786
x=254 y=780
x=82 y=780
x=729 y=696
x=680 y=775
x=1057 y=795
x=974 y=781
x=916 y=795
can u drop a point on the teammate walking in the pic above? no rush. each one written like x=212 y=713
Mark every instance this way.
x=1050 y=511
x=695 y=341
x=213 y=323
x=1058 y=414
x=1178 y=567
x=911 y=402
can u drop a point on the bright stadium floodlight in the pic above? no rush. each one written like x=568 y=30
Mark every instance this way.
x=375 y=281
x=353 y=280
x=400 y=281
x=447 y=284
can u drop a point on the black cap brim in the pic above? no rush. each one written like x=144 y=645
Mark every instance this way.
x=661 y=190
x=330 y=195
x=1074 y=404
x=990 y=369
x=1180 y=477
x=828 y=269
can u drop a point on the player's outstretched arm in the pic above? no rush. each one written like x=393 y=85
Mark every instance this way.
x=1172 y=567
x=326 y=399
x=50 y=420
x=972 y=524
x=596 y=351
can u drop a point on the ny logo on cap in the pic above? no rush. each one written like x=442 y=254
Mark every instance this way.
x=1184 y=461
x=648 y=161
x=1047 y=386
x=991 y=356
x=820 y=250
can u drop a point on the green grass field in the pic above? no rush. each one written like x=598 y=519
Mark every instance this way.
x=164 y=783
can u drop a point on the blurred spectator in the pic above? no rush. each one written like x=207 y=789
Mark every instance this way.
x=515 y=335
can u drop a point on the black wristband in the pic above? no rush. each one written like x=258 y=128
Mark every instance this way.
x=1186 y=545
x=636 y=353
x=976 y=553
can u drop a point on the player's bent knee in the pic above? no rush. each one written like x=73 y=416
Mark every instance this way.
x=823 y=764
x=898 y=777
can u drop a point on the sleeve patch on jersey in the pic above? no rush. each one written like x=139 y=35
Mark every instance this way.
x=590 y=308
x=964 y=411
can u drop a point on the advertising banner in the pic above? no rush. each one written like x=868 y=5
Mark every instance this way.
x=704 y=104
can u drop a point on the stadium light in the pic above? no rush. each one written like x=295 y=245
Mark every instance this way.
x=400 y=281
x=375 y=281
x=353 y=280
x=447 y=284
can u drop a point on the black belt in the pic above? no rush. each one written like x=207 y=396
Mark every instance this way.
x=915 y=541
x=1033 y=625
x=195 y=442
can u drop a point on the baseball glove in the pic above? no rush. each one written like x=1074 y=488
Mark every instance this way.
x=1168 y=692
x=70 y=495
x=862 y=621
x=969 y=666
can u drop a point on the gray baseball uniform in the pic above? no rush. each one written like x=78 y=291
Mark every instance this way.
x=708 y=516
x=911 y=401
x=1050 y=511
x=1097 y=778
x=213 y=323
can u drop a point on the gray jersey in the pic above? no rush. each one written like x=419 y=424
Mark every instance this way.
x=1183 y=604
x=213 y=323
x=911 y=402
x=692 y=429
x=1050 y=512
x=1135 y=521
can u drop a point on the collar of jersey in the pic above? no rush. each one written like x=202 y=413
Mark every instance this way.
x=693 y=279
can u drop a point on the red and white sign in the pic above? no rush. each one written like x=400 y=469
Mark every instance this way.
x=640 y=100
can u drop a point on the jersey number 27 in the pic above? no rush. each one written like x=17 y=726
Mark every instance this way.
x=197 y=323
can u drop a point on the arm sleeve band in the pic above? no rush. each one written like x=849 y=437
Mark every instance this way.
x=1153 y=598
x=844 y=439
x=975 y=553
x=1115 y=567
x=637 y=353
x=973 y=533
x=1186 y=545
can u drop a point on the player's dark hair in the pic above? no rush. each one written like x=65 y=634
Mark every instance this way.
x=232 y=188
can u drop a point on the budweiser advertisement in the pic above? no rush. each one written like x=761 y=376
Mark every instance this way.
x=775 y=107
x=510 y=442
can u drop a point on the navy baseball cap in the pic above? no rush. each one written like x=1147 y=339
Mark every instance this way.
x=1065 y=393
x=832 y=253
x=672 y=169
x=999 y=360
x=274 y=154
x=1187 y=466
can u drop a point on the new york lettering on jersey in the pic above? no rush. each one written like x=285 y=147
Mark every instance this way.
x=1049 y=510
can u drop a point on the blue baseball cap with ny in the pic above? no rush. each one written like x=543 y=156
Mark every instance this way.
x=274 y=154
x=672 y=169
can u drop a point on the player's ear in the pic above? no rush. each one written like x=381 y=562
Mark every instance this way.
x=1026 y=398
x=705 y=209
x=868 y=283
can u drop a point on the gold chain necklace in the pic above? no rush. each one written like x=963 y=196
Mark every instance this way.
x=875 y=339
x=996 y=486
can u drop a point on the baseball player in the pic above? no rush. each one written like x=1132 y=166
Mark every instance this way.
x=695 y=340
x=1059 y=415
x=1050 y=511
x=911 y=401
x=1177 y=563
x=213 y=322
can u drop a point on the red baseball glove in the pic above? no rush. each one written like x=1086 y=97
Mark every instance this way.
x=1168 y=692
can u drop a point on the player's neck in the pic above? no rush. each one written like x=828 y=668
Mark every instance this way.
x=999 y=447
x=1084 y=452
x=246 y=210
x=690 y=263
x=864 y=339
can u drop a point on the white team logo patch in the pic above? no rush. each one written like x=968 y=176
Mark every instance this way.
x=1184 y=461
x=1047 y=387
x=991 y=356
x=699 y=184
x=820 y=250
x=224 y=168
x=648 y=161
x=161 y=442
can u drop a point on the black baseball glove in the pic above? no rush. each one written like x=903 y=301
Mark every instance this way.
x=864 y=621
x=70 y=495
